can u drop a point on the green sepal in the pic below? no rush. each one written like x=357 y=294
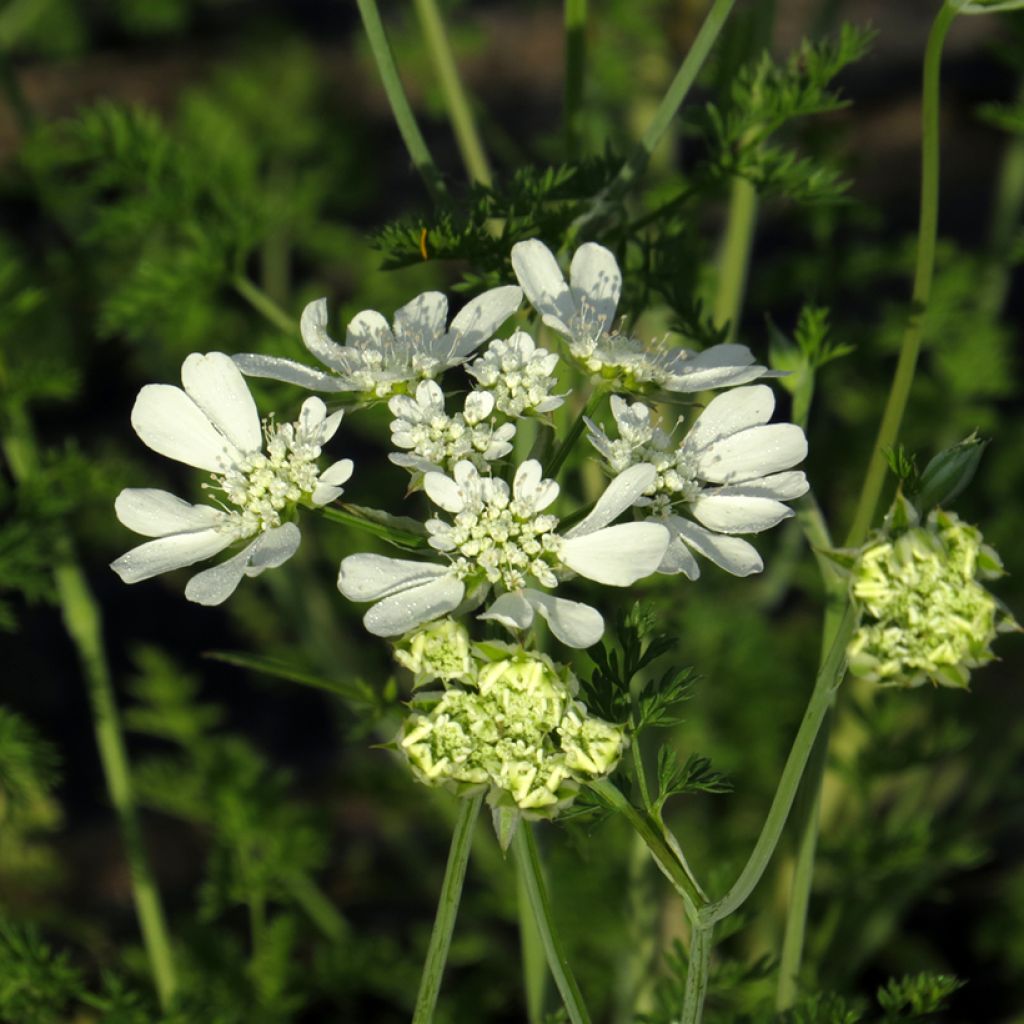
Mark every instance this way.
x=948 y=474
x=505 y=820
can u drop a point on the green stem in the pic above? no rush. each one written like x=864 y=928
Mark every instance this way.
x=664 y=115
x=640 y=773
x=829 y=677
x=535 y=973
x=649 y=830
x=84 y=626
x=447 y=908
x=554 y=464
x=536 y=893
x=923 y=275
x=264 y=304
x=407 y=126
x=697 y=975
x=320 y=910
x=575 y=65
x=734 y=260
x=460 y=112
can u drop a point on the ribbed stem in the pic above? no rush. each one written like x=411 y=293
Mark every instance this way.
x=697 y=975
x=460 y=112
x=447 y=909
x=407 y=126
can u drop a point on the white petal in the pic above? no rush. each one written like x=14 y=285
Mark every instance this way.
x=594 y=273
x=692 y=379
x=617 y=555
x=738 y=514
x=312 y=416
x=752 y=453
x=369 y=330
x=619 y=495
x=444 y=492
x=324 y=494
x=678 y=559
x=217 y=386
x=512 y=610
x=732 y=554
x=730 y=413
x=329 y=427
x=171 y=552
x=337 y=473
x=399 y=613
x=528 y=486
x=574 y=624
x=269 y=550
x=290 y=372
x=477 y=321
x=545 y=287
x=170 y=423
x=371 y=577
x=421 y=322
x=313 y=327
x=478 y=406
x=155 y=513
x=781 y=486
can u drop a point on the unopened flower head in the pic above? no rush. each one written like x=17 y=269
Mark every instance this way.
x=260 y=473
x=436 y=441
x=583 y=312
x=439 y=650
x=927 y=616
x=519 y=375
x=519 y=732
x=379 y=359
x=731 y=473
x=502 y=537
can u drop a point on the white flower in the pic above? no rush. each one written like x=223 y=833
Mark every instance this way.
x=504 y=539
x=726 y=474
x=518 y=374
x=437 y=440
x=583 y=311
x=378 y=360
x=213 y=425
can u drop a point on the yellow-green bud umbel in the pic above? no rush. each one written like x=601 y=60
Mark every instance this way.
x=518 y=731
x=927 y=618
x=439 y=650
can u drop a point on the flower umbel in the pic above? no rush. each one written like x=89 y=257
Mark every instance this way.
x=518 y=374
x=518 y=731
x=928 y=616
x=213 y=424
x=502 y=537
x=439 y=650
x=377 y=359
x=725 y=474
x=583 y=312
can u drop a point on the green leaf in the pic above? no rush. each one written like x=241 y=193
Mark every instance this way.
x=356 y=692
x=947 y=476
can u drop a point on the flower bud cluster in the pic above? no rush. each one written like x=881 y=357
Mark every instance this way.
x=512 y=725
x=927 y=616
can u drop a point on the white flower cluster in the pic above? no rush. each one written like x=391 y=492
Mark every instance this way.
x=514 y=727
x=436 y=440
x=519 y=375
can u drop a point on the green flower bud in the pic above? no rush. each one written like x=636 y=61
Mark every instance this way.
x=926 y=616
x=439 y=650
x=517 y=729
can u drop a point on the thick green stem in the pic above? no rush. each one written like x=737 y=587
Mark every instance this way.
x=923 y=274
x=460 y=113
x=407 y=126
x=264 y=304
x=697 y=975
x=536 y=893
x=734 y=260
x=535 y=971
x=829 y=677
x=84 y=626
x=575 y=64
x=675 y=869
x=664 y=115
x=447 y=908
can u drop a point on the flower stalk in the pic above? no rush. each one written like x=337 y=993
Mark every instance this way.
x=536 y=892
x=447 y=909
